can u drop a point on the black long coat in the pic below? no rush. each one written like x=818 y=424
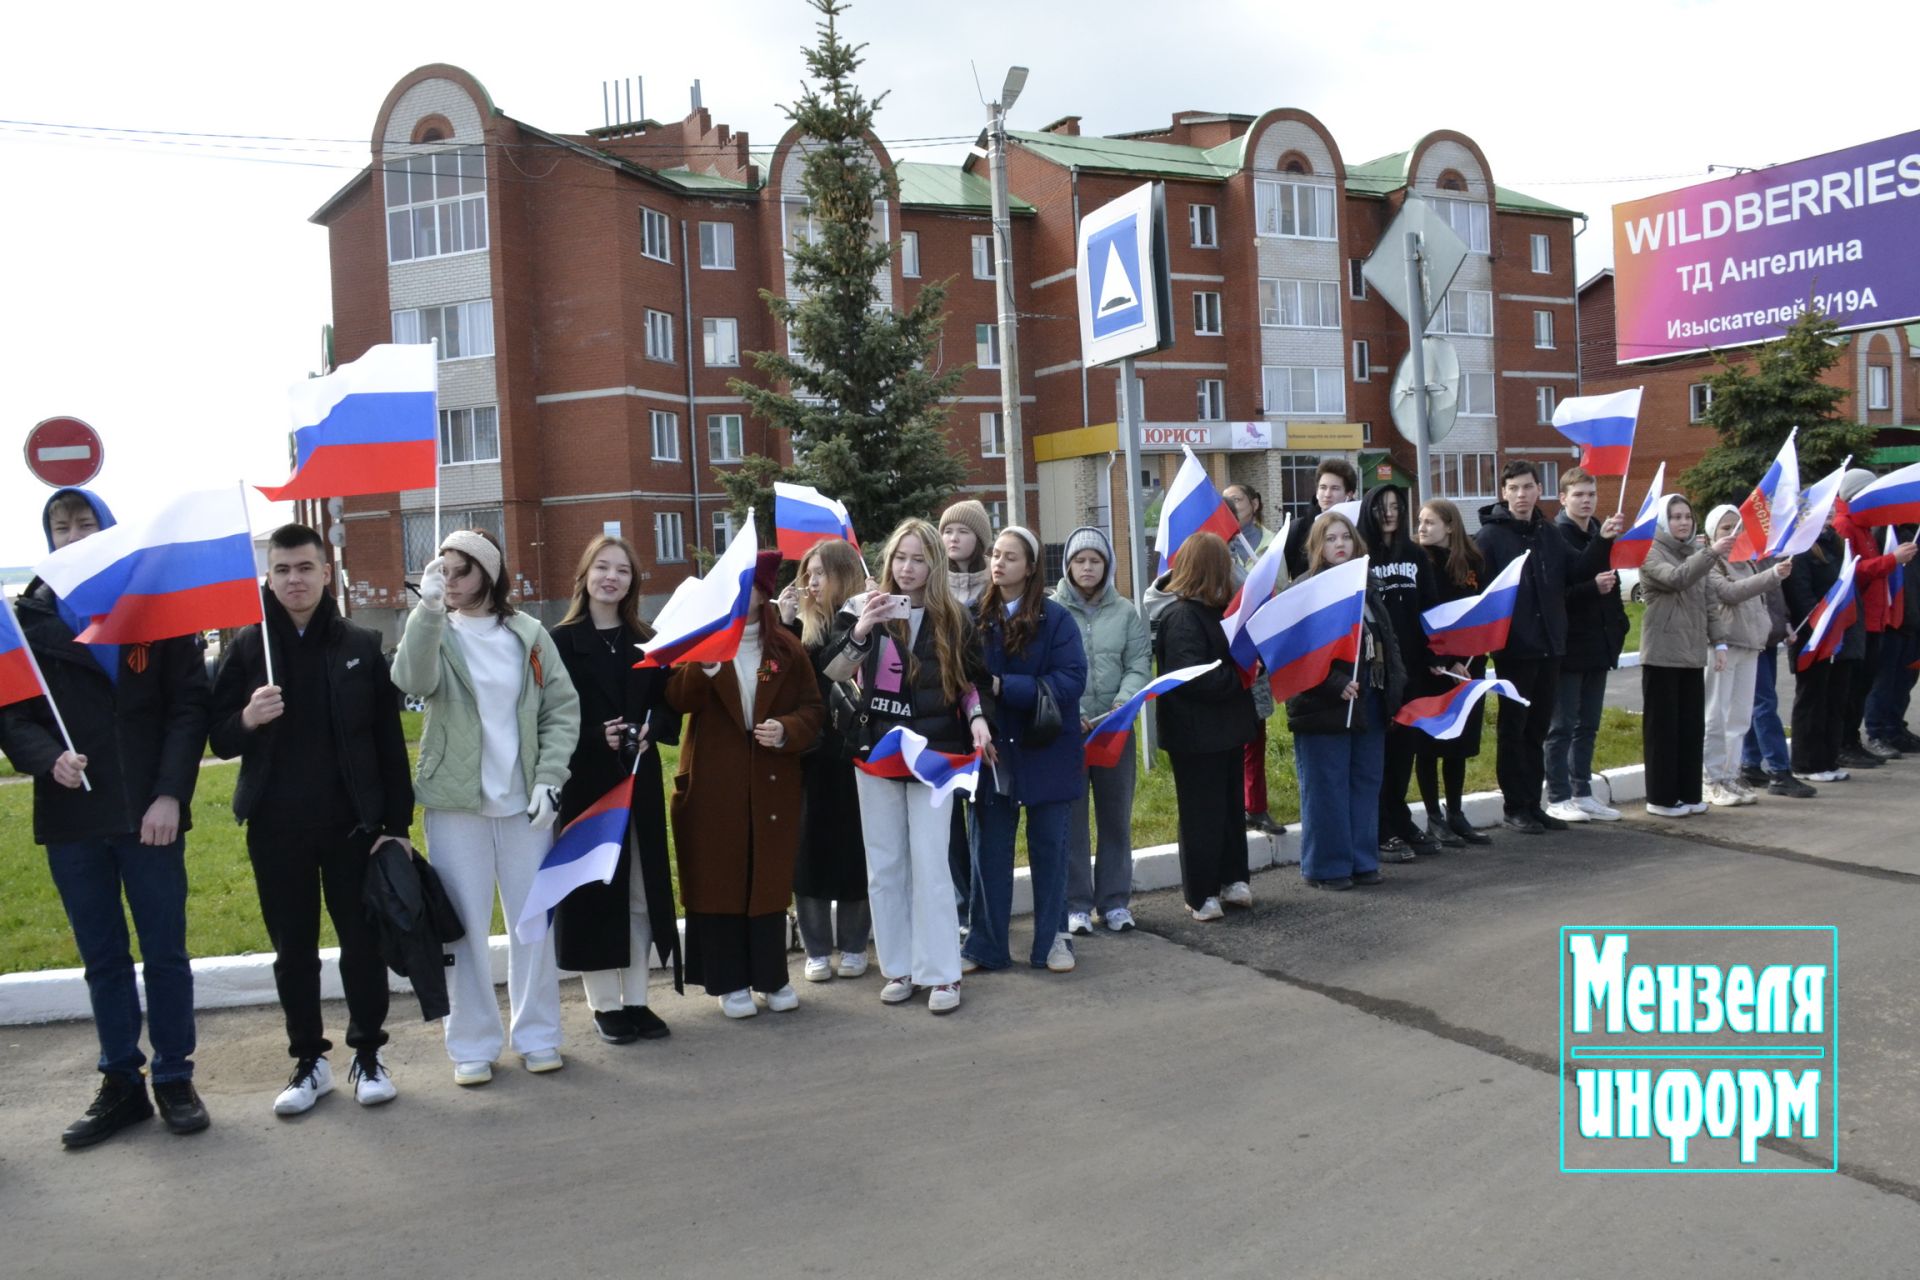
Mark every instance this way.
x=832 y=862
x=590 y=929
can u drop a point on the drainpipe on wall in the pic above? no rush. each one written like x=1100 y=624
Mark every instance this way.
x=1579 y=373
x=1085 y=420
x=693 y=417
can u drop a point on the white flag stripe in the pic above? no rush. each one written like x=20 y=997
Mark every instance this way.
x=1445 y=615
x=386 y=367
x=1618 y=404
x=199 y=516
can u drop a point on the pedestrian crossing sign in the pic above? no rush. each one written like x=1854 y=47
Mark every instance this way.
x=1125 y=295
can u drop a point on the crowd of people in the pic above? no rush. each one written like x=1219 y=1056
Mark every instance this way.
x=953 y=632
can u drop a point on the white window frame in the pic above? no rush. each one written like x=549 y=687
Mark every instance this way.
x=664 y=426
x=1203 y=226
x=910 y=254
x=1470 y=398
x=1275 y=199
x=1447 y=474
x=986 y=346
x=418 y=544
x=1699 y=400
x=669 y=538
x=716 y=246
x=1477 y=231
x=993 y=436
x=1280 y=390
x=996 y=513
x=1549 y=469
x=983 y=258
x=1362 y=360
x=1540 y=253
x=1274 y=291
x=656 y=235
x=462 y=432
x=470 y=320
x=1879 y=387
x=1542 y=330
x=722 y=528
x=1458 y=308
x=451 y=206
x=1210 y=400
x=1544 y=400
x=718 y=351
x=726 y=437
x=1206 y=314
x=1356 y=282
x=659 y=335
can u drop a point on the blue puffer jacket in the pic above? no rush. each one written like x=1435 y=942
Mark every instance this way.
x=1057 y=771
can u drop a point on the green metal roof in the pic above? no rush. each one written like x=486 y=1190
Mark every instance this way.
x=1389 y=173
x=1162 y=159
x=1889 y=455
x=945 y=186
x=692 y=181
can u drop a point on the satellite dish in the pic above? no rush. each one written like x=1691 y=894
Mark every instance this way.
x=1442 y=391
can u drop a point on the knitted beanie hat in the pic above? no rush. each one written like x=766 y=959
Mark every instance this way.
x=971 y=513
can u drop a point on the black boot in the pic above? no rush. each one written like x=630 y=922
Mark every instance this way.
x=1441 y=834
x=1464 y=829
x=180 y=1106
x=121 y=1101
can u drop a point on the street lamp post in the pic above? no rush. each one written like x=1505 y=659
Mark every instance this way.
x=1003 y=284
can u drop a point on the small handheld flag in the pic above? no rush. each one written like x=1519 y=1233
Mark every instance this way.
x=1630 y=548
x=1827 y=624
x=1892 y=499
x=1445 y=715
x=1603 y=428
x=1192 y=505
x=1896 y=585
x=1815 y=509
x=1314 y=623
x=1108 y=741
x=1766 y=517
x=370 y=426
x=902 y=754
x=803 y=516
x=1258 y=588
x=704 y=618
x=587 y=851
x=20 y=678
x=1478 y=624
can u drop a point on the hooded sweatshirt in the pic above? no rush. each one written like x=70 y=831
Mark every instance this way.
x=107 y=655
x=1736 y=595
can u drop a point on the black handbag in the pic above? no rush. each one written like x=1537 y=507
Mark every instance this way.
x=1045 y=724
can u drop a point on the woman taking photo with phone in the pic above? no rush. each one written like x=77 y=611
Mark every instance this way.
x=919 y=665
x=1039 y=671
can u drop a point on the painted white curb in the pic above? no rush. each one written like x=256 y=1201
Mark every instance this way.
x=222 y=982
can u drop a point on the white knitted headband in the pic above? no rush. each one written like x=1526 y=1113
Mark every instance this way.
x=476 y=549
x=1026 y=536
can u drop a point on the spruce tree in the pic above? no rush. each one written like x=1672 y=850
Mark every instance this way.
x=862 y=407
x=1757 y=402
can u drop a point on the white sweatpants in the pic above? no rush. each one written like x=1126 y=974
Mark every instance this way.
x=1729 y=712
x=610 y=990
x=916 y=928
x=473 y=854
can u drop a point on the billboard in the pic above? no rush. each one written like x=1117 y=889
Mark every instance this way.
x=1736 y=260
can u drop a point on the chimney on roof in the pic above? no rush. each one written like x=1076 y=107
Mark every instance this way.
x=696 y=97
x=1065 y=126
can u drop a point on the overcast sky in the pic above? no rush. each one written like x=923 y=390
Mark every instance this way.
x=168 y=292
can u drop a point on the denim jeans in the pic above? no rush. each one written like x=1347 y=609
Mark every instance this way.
x=1892 y=685
x=1102 y=876
x=1339 y=777
x=91 y=875
x=1577 y=704
x=990 y=905
x=1766 y=744
x=822 y=928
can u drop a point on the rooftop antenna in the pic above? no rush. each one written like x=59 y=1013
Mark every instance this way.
x=696 y=95
x=639 y=98
x=606 y=109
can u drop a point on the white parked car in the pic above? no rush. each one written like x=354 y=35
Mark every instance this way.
x=1630 y=585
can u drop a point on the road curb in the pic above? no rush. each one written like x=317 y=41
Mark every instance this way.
x=225 y=982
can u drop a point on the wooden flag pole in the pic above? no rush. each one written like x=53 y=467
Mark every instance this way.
x=266 y=647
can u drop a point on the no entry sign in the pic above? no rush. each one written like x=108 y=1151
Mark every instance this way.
x=64 y=451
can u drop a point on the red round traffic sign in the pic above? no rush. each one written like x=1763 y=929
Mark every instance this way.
x=64 y=451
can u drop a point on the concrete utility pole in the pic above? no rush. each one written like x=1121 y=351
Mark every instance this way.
x=1417 y=332
x=1003 y=285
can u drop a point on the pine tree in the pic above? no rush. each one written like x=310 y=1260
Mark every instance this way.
x=1757 y=403
x=863 y=410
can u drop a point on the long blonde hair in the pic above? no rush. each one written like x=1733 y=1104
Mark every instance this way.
x=944 y=614
x=845 y=575
x=629 y=607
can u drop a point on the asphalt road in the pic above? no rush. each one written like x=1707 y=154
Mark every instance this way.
x=1357 y=1084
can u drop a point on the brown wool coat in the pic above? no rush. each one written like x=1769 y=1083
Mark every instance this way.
x=736 y=804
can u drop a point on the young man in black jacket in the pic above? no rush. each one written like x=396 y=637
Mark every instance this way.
x=324 y=781
x=1596 y=631
x=1509 y=529
x=113 y=814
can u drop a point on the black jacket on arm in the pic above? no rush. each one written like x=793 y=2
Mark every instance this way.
x=1596 y=623
x=1540 y=610
x=1213 y=712
x=365 y=714
x=142 y=735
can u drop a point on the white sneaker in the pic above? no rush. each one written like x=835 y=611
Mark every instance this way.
x=311 y=1081
x=784 y=1000
x=1208 y=910
x=1746 y=793
x=819 y=969
x=1060 y=955
x=1824 y=775
x=1080 y=924
x=541 y=1061
x=1840 y=775
x=372 y=1083
x=1669 y=810
x=897 y=990
x=1724 y=796
x=1119 y=919
x=472 y=1073
x=1568 y=811
x=853 y=964
x=1698 y=806
x=944 y=998
x=1237 y=894
x=739 y=1004
x=1594 y=809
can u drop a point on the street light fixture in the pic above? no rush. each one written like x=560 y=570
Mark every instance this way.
x=1003 y=282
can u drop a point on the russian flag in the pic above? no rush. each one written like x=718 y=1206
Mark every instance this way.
x=1314 y=623
x=19 y=680
x=1478 y=624
x=189 y=567
x=1258 y=588
x=1896 y=585
x=1192 y=505
x=1108 y=741
x=370 y=426
x=704 y=617
x=902 y=754
x=1603 y=428
x=1827 y=624
x=1815 y=508
x=1630 y=548
x=588 y=850
x=1445 y=715
x=1892 y=499
x=803 y=516
x=1766 y=517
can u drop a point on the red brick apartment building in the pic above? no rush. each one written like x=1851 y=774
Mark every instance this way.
x=594 y=293
x=1880 y=369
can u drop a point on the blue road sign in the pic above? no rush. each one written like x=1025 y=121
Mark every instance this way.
x=1114 y=277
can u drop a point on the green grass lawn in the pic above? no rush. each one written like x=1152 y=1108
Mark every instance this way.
x=223 y=912
x=1635 y=612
